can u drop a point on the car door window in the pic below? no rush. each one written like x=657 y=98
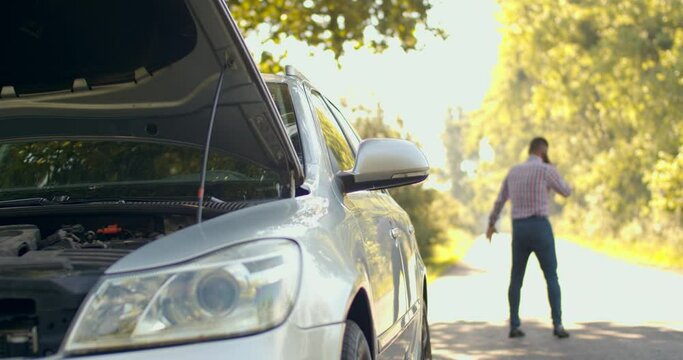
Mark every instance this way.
x=342 y=156
x=350 y=132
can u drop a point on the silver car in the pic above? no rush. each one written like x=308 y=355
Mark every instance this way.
x=160 y=199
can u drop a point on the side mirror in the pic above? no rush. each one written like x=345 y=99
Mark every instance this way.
x=386 y=163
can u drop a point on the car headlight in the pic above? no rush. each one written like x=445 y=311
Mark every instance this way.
x=240 y=290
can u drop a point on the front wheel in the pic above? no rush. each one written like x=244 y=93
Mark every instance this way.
x=426 y=344
x=355 y=346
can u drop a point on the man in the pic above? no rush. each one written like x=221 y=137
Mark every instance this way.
x=528 y=186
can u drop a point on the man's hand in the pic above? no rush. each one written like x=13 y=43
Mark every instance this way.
x=490 y=231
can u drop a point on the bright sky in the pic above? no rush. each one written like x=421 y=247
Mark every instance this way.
x=419 y=86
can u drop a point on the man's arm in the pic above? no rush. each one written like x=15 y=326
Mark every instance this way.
x=503 y=196
x=556 y=182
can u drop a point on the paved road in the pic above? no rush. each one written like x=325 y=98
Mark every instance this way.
x=612 y=309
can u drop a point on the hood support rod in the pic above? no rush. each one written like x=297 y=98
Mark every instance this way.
x=205 y=160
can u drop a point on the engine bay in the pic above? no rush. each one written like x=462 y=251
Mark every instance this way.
x=26 y=238
x=49 y=263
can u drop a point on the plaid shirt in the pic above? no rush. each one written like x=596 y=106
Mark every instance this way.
x=528 y=186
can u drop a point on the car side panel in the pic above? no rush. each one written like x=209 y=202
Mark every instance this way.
x=414 y=268
x=330 y=265
x=386 y=271
x=379 y=265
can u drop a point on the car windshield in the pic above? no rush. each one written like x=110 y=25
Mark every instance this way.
x=285 y=106
x=96 y=169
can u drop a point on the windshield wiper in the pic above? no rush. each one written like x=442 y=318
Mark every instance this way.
x=35 y=201
x=66 y=200
x=133 y=200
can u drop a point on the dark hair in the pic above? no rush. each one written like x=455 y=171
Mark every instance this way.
x=536 y=144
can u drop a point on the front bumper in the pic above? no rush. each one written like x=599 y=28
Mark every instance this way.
x=285 y=342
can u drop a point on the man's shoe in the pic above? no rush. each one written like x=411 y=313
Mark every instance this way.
x=516 y=333
x=560 y=332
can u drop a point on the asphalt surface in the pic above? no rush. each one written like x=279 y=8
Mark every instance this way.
x=613 y=310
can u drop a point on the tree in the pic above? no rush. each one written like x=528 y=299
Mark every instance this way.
x=602 y=81
x=454 y=136
x=334 y=23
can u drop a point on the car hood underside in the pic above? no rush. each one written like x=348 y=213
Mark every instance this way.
x=142 y=70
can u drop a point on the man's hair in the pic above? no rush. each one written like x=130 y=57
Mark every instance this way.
x=536 y=144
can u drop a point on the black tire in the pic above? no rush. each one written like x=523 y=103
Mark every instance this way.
x=426 y=353
x=355 y=346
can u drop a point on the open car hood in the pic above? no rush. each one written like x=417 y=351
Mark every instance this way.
x=139 y=70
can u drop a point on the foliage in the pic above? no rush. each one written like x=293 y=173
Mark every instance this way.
x=603 y=81
x=665 y=184
x=462 y=186
x=334 y=23
x=432 y=212
x=271 y=65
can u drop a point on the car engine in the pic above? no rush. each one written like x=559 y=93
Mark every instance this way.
x=48 y=264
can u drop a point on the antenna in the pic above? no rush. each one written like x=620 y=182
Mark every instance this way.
x=205 y=160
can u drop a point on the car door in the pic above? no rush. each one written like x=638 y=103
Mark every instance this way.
x=404 y=237
x=403 y=227
x=376 y=214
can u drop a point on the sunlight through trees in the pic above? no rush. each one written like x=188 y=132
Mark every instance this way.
x=603 y=82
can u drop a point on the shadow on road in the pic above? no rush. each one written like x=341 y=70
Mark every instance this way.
x=613 y=310
x=595 y=340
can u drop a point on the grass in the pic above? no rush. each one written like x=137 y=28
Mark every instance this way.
x=652 y=253
x=447 y=254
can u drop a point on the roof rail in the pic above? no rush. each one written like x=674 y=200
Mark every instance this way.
x=292 y=71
